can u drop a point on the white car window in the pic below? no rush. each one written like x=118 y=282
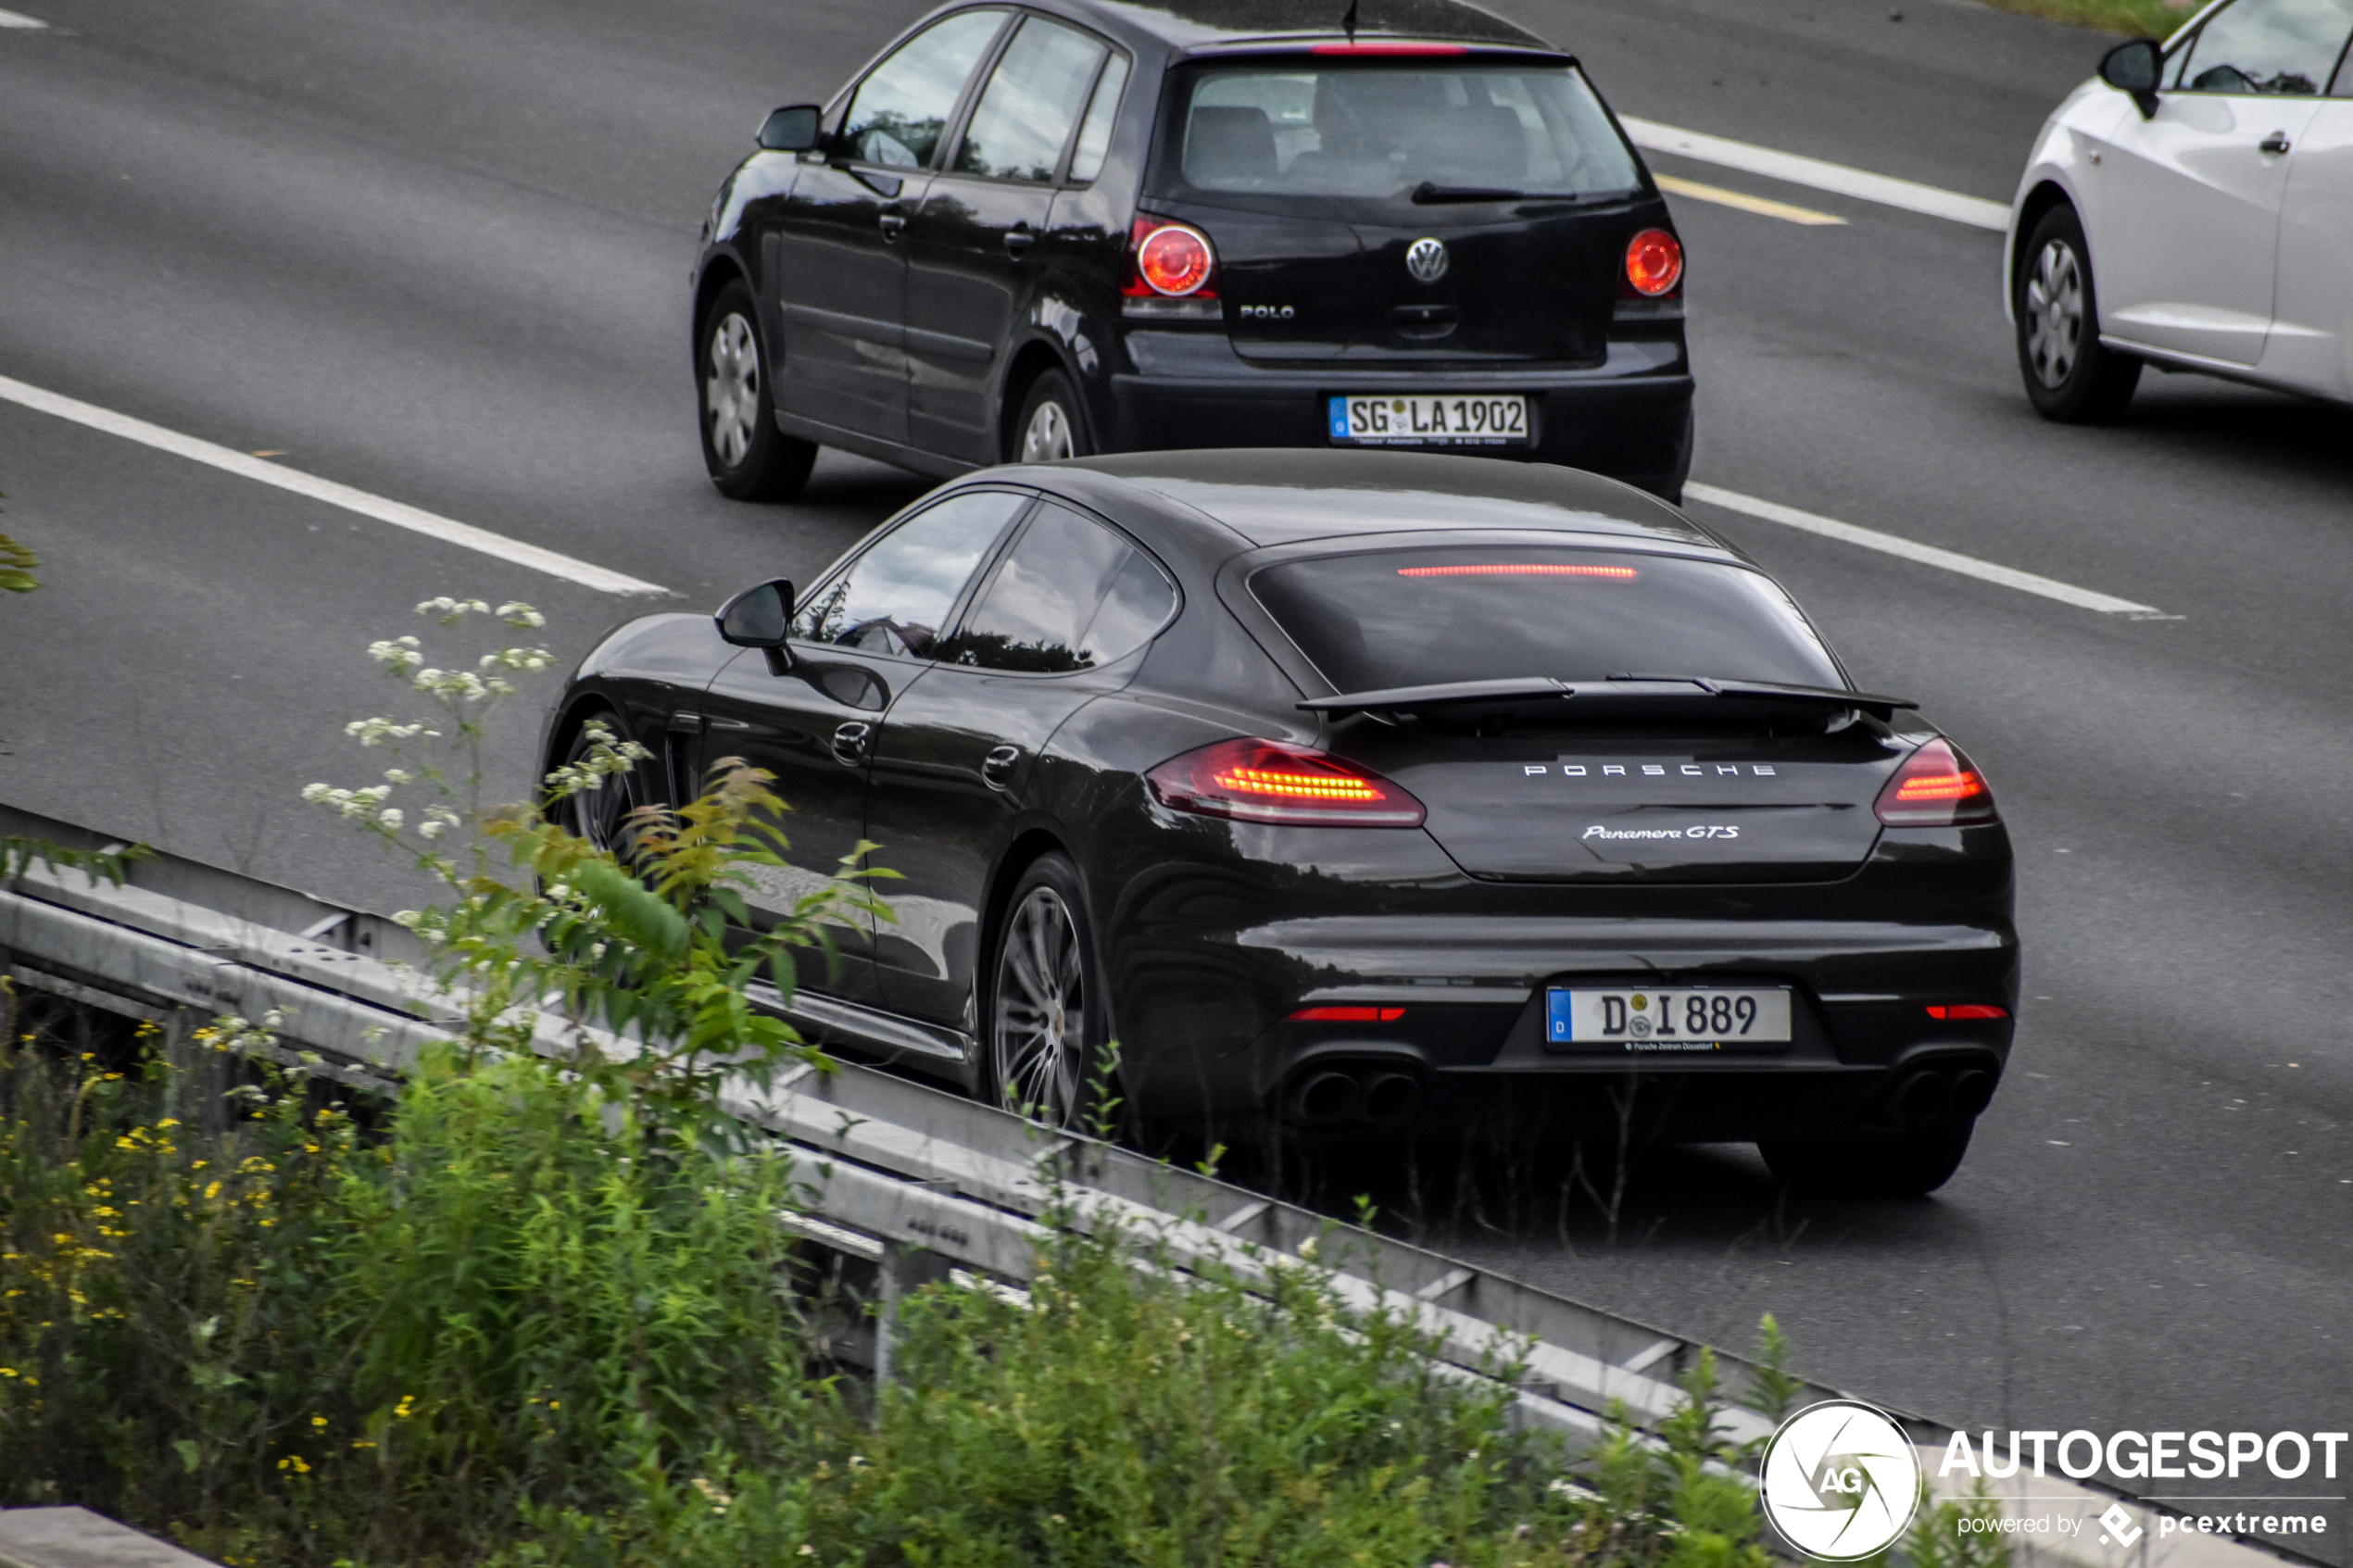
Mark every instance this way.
x=2269 y=46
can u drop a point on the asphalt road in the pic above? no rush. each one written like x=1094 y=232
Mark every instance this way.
x=439 y=251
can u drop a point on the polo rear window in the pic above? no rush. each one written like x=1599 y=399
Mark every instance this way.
x=1294 y=126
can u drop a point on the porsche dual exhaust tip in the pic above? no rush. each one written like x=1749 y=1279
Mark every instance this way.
x=1929 y=1092
x=1355 y=1096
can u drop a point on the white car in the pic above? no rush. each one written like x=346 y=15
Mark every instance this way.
x=2191 y=206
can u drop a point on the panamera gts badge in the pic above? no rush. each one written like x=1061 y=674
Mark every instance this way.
x=1426 y=260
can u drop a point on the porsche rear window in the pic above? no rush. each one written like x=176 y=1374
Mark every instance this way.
x=1383 y=619
x=1312 y=127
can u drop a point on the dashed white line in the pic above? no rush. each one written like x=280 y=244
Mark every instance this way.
x=10 y=19
x=1926 y=555
x=398 y=513
x=1836 y=178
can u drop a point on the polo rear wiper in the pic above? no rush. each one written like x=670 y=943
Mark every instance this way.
x=1429 y=193
x=1542 y=687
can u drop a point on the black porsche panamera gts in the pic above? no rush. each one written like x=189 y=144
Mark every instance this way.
x=1356 y=792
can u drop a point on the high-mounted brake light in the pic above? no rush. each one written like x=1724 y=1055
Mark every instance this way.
x=1965 y=1011
x=1522 y=569
x=1170 y=260
x=1269 y=781
x=1389 y=49
x=1347 y=1015
x=1653 y=263
x=1936 y=788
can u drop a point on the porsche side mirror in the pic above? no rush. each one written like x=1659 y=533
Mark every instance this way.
x=2133 y=68
x=791 y=129
x=758 y=618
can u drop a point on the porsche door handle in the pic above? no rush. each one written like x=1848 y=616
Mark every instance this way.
x=1017 y=242
x=892 y=224
x=850 y=741
x=2276 y=144
x=997 y=768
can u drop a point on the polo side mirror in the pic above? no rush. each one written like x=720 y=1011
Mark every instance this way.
x=2133 y=68
x=758 y=618
x=791 y=129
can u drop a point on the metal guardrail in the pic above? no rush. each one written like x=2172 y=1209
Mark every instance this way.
x=898 y=1172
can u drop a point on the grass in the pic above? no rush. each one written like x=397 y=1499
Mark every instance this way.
x=511 y=1320
x=2125 y=19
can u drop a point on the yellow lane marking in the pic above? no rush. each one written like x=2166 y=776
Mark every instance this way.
x=1743 y=201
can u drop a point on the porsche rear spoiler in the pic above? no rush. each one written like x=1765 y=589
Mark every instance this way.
x=1649 y=687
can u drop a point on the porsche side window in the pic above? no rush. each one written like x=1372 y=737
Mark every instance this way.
x=1070 y=595
x=1031 y=102
x=2267 y=46
x=901 y=109
x=897 y=594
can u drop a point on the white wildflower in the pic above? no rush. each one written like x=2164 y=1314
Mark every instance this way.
x=391 y=817
x=431 y=829
x=514 y=612
x=399 y=653
x=400 y=776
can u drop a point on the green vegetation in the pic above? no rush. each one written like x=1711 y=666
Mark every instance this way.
x=516 y=1319
x=2126 y=18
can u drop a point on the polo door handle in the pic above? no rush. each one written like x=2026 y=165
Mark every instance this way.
x=850 y=741
x=997 y=768
x=2276 y=144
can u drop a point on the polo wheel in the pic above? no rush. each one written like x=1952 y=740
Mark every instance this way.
x=749 y=457
x=1911 y=1163
x=1049 y=427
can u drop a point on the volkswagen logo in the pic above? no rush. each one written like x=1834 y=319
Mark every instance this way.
x=1425 y=259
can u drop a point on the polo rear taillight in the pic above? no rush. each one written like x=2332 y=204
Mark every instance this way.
x=1269 y=781
x=1653 y=263
x=1169 y=260
x=1936 y=788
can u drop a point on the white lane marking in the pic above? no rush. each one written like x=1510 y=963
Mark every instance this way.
x=1927 y=554
x=1677 y=185
x=10 y=19
x=1837 y=177
x=398 y=513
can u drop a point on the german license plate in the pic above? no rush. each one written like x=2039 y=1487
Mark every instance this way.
x=1667 y=1022
x=1426 y=420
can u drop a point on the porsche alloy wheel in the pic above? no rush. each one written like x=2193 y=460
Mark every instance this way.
x=1044 y=1005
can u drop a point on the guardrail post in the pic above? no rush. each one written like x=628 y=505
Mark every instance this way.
x=886 y=1313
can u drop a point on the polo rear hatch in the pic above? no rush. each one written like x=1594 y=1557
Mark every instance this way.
x=1409 y=203
x=1568 y=714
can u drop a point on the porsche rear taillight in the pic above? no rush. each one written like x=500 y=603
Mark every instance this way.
x=1169 y=260
x=1936 y=788
x=1269 y=781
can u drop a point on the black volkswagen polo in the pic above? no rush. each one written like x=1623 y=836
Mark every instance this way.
x=1355 y=791
x=1077 y=226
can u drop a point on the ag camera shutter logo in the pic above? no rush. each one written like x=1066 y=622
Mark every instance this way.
x=1840 y=1481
